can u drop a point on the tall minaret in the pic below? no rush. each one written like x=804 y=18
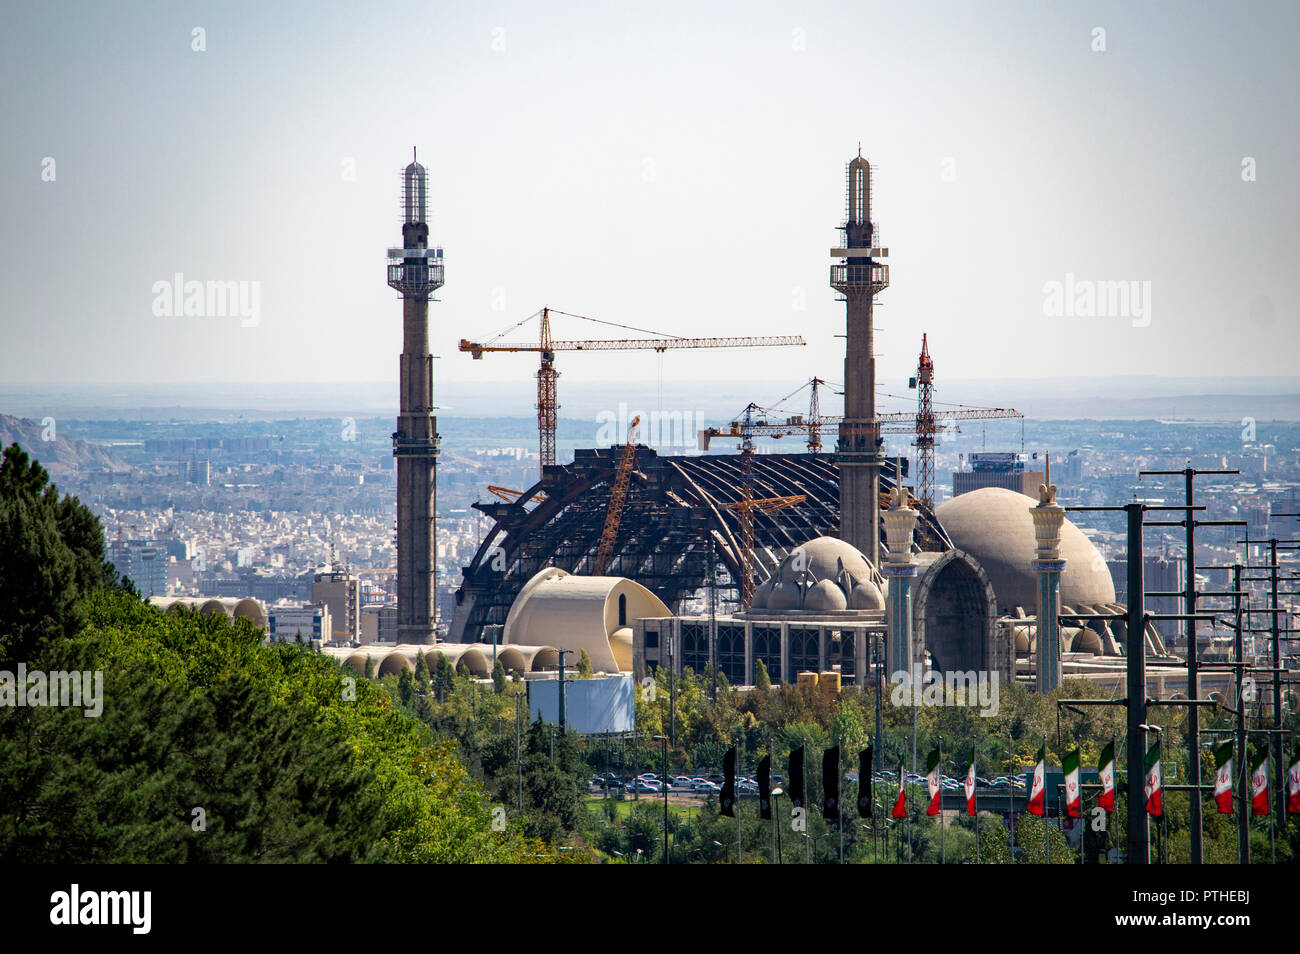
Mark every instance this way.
x=415 y=270
x=859 y=278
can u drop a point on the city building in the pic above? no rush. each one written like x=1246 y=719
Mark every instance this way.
x=341 y=592
x=997 y=470
x=308 y=623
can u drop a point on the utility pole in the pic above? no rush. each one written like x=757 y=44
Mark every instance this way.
x=1139 y=846
x=562 y=712
x=1243 y=767
x=1193 y=676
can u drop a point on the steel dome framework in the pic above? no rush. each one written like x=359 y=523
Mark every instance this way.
x=676 y=509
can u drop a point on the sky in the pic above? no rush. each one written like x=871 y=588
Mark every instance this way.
x=672 y=166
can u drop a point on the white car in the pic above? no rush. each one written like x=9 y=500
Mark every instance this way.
x=703 y=786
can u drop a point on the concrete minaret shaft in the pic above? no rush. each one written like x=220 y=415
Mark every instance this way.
x=416 y=271
x=859 y=277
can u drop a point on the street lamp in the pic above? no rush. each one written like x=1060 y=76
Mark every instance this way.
x=663 y=739
x=776 y=831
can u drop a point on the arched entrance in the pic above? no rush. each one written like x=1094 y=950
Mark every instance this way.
x=954 y=614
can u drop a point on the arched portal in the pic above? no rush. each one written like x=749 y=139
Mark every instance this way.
x=955 y=614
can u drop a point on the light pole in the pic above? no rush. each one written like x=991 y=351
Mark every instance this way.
x=663 y=740
x=776 y=816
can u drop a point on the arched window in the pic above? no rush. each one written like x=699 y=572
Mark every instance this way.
x=622 y=609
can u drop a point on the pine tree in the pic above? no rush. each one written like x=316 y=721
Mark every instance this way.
x=498 y=677
x=585 y=669
x=762 y=681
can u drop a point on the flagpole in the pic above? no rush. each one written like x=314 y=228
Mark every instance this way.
x=974 y=799
x=1083 y=815
x=943 y=851
x=1011 y=804
x=1047 y=853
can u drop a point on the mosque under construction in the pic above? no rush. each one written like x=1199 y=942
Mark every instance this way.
x=858 y=573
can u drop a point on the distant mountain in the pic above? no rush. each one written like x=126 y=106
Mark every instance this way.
x=60 y=453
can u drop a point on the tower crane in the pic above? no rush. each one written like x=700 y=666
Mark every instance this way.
x=617 y=498
x=547 y=346
x=925 y=425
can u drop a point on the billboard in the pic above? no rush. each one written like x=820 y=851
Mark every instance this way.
x=601 y=704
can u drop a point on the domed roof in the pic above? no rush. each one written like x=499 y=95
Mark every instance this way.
x=993 y=525
x=824 y=575
x=824 y=558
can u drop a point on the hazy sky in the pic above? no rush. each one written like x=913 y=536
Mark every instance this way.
x=674 y=166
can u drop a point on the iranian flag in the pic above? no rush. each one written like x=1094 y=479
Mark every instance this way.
x=932 y=782
x=1070 y=765
x=970 y=785
x=900 y=801
x=1106 y=770
x=1037 y=788
x=1223 y=778
x=1293 y=785
x=1152 y=784
x=1259 y=783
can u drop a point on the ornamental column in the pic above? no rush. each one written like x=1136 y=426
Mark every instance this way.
x=1048 y=517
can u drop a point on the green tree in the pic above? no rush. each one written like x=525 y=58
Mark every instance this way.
x=421 y=672
x=762 y=680
x=585 y=670
x=498 y=677
x=51 y=558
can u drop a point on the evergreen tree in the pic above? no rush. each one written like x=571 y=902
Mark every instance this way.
x=498 y=677
x=762 y=681
x=585 y=670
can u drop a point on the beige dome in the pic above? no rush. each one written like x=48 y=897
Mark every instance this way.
x=866 y=596
x=993 y=525
x=825 y=596
x=824 y=558
x=825 y=575
x=573 y=613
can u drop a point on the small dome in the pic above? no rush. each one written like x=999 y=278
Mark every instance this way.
x=825 y=596
x=762 y=593
x=866 y=596
x=784 y=596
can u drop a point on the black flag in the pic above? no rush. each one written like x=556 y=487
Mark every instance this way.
x=795 y=788
x=727 y=800
x=765 y=787
x=864 y=783
x=831 y=783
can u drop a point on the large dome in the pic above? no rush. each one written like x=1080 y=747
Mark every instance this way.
x=994 y=526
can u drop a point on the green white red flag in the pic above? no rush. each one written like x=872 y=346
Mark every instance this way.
x=900 y=800
x=1293 y=784
x=1070 y=765
x=1153 y=785
x=1259 y=783
x=1039 y=784
x=932 y=782
x=1223 y=778
x=1106 y=771
x=969 y=786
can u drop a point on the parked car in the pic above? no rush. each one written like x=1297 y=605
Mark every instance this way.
x=704 y=787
